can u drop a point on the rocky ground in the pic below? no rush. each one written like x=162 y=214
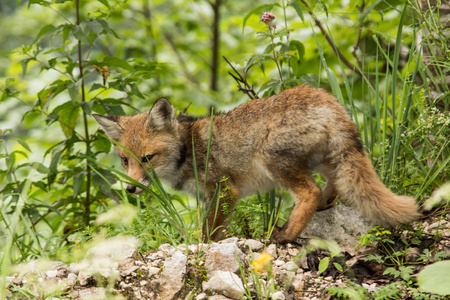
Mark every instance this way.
x=225 y=270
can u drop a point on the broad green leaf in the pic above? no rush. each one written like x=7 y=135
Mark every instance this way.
x=22 y=143
x=338 y=267
x=323 y=264
x=296 y=5
x=105 y=3
x=78 y=180
x=81 y=34
x=68 y=116
x=74 y=89
x=106 y=27
x=44 y=30
x=87 y=106
x=435 y=278
x=39 y=167
x=117 y=62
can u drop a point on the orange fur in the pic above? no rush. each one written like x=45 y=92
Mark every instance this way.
x=261 y=144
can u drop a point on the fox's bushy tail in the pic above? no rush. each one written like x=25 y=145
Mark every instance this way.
x=358 y=185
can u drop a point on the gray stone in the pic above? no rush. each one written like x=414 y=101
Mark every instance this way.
x=278 y=296
x=167 y=249
x=84 y=277
x=341 y=224
x=297 y=283
x=272 y=250
x=222 y=257
x=91 y=293
x=254 y=245
x=225 y=283
x=290 y=266
x=172 y=274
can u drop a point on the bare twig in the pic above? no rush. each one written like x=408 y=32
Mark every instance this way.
x=247 y=88
x=181 y=60
x=87 y=203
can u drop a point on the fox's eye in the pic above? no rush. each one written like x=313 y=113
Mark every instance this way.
x=147 y=158
x=125 y=161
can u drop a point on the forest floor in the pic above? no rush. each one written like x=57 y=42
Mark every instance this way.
x=386 y=268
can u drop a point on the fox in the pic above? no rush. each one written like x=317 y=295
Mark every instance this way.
x=262 y=144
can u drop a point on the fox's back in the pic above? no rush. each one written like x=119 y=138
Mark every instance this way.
x=294 y=128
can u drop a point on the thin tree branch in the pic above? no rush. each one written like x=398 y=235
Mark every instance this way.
x=181 y=60
x=247 y=88
x=87 y=203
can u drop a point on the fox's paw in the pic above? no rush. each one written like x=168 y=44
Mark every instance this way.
x=278 y=236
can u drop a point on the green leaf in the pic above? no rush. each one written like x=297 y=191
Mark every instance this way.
x=54 y=163
x=323 y=264
x=22 y=143
x=338 y=267
x=80 y=33
x=296 y=5
x=103 y=179
x=68 y=115
x=106 y=27
x=435 y=278
x=87 y=106
x=44 y=30
x=117 y=62
x=78 y=180
x=40 y=167
x=105 y=3
x=74 y=89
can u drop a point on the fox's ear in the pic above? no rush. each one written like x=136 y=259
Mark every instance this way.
x=110 y=125
x=161 y=116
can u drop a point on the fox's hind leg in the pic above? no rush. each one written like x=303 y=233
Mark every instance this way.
x=329 y=196
x=329 y=192
x=307 y=197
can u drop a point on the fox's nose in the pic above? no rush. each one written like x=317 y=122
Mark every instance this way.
x=131 y=189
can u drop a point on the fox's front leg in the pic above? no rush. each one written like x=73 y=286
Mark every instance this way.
x=219 y=209
x=307 y=198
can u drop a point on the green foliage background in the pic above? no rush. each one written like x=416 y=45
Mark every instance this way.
x=56 y=169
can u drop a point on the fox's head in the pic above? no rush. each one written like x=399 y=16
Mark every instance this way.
x=152 y=138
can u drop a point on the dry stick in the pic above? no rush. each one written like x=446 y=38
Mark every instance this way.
x=186 y=72
x=336 y=50
x=248 y=90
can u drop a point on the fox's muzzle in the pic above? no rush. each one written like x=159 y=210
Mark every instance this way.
x=131 y=189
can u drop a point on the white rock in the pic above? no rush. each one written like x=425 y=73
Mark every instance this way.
x=290 y=266
x=231 y=240
x=272 y=250
x=84 y=277
x=278 y=296
x=225 y=283
x=279 y=263
x=297 y=283
x=171 y=277
x=341 y=224
x=254 y=245
x=91 y=293
x=201 y=296
x=153 y=271
x=223 y=257
x=167 y=249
